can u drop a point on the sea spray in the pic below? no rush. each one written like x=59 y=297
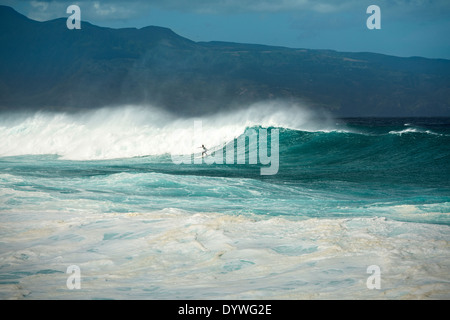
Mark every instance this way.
x=135 y=131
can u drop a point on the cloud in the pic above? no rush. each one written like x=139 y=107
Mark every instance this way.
x=40 y=5
x=241 y=6
x=320 y=6
x=120 y=9
x=100 y=10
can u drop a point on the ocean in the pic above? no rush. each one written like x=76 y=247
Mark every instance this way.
x=99 y=192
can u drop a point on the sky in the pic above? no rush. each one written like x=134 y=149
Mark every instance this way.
x=408 y=27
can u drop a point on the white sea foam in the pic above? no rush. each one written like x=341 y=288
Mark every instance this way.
x=172 y=254
x=414 y=130
x=133 y=131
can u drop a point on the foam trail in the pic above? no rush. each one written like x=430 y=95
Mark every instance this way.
x=414 y=130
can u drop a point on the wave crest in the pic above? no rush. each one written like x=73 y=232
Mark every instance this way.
x=133 y=131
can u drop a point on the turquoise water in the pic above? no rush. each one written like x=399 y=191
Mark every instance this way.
x=358 y=193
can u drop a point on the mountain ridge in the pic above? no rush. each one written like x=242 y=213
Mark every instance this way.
x=46 y=66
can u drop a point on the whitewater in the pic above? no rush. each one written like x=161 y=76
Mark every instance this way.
x=133 y=131
x=98 y=190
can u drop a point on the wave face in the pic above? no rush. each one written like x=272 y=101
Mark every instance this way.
x=100 y=190
x=365 y=153
x=327 y=168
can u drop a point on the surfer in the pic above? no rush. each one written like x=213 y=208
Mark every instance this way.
x=204 y=150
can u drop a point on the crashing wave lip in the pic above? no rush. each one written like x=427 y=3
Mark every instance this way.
x=133 y=131
x=414 y=130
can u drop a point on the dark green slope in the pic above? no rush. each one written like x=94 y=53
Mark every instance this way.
x=46 y=66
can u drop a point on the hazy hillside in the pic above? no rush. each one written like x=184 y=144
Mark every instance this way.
x=45 y=65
